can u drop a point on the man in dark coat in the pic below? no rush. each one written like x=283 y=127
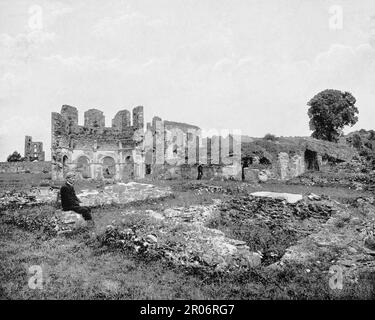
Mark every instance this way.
x=69 y=200
x=200 y=172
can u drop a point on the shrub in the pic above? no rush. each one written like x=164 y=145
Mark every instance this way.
x=270 y=137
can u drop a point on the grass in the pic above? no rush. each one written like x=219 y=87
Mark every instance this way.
x=73 y=269
x=79 y=267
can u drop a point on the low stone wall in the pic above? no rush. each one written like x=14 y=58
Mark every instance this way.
x=25 y=167
x=210 y=172
x=290 y=166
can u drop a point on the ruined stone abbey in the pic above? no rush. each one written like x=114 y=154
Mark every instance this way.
x=126 y=151
x=171 y=150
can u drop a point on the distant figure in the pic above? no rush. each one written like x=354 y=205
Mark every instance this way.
x=69 y=200
x=107 y=171
x=200 y=172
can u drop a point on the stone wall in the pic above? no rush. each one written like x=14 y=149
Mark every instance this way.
x=95 y=151
x=290 y=166
x=166 y=150
x=210 y=172
x=25 y=167
x=174 y=150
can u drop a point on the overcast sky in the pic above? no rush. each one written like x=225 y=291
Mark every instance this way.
x=249 y=65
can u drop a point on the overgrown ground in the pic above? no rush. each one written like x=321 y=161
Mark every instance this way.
x=79 y=266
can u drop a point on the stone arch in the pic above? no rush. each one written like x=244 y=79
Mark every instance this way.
x=109 y=167
x=83 y=166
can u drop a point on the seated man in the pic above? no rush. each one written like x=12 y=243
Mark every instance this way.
x=69 y=200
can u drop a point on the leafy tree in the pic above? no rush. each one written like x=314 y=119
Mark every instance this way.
x=330 y=111
x=270 y=137
x=14 y=157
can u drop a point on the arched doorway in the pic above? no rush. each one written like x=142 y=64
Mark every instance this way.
x=65 y=164
x=148 y=162
x=109 y=167
x=128 y=168
x=311 y=160
x=83 y=166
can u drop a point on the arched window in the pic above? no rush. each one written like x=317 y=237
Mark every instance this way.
x=83 y=166
x=109 y=167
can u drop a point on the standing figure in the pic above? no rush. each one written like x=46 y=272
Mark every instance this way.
x=200 y=172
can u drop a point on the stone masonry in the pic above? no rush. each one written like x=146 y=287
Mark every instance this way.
x=33 y=150
x=127 y=151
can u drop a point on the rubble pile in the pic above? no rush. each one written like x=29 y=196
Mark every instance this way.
x=16 y=198
x=182 y=239
x=356 y=181
x=202 y=187
x=277 y=209
x=349 y=235
x=34 y=223
x=126 y=239
x=192 y=214
x=51 y=224
x=35 y=196
x=271 y=225
x=233 y=189
x=213 y=252
x=356 y=166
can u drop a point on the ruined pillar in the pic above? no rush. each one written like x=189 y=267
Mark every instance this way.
x=138 y=118
x=215 y=149
x=158 y=143
x=192 y=142
x=121 y=120
x=225 y=148
x=28 y=141
x=283 y=165
x=203 y=150
x=94 y=119
x=60 y=123
x=69 y=114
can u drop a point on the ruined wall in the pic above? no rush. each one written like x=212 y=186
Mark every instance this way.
x=124 y=152
x=210 y=172
x=94 y=119
x=178 y=149
x=93 y=150
x=138 y=117
x=25 y=167
x=290 y=166
x=33 y=150
x=121 y=121
x=287 y=158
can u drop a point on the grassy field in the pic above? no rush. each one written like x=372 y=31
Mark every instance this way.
x=79 y=267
